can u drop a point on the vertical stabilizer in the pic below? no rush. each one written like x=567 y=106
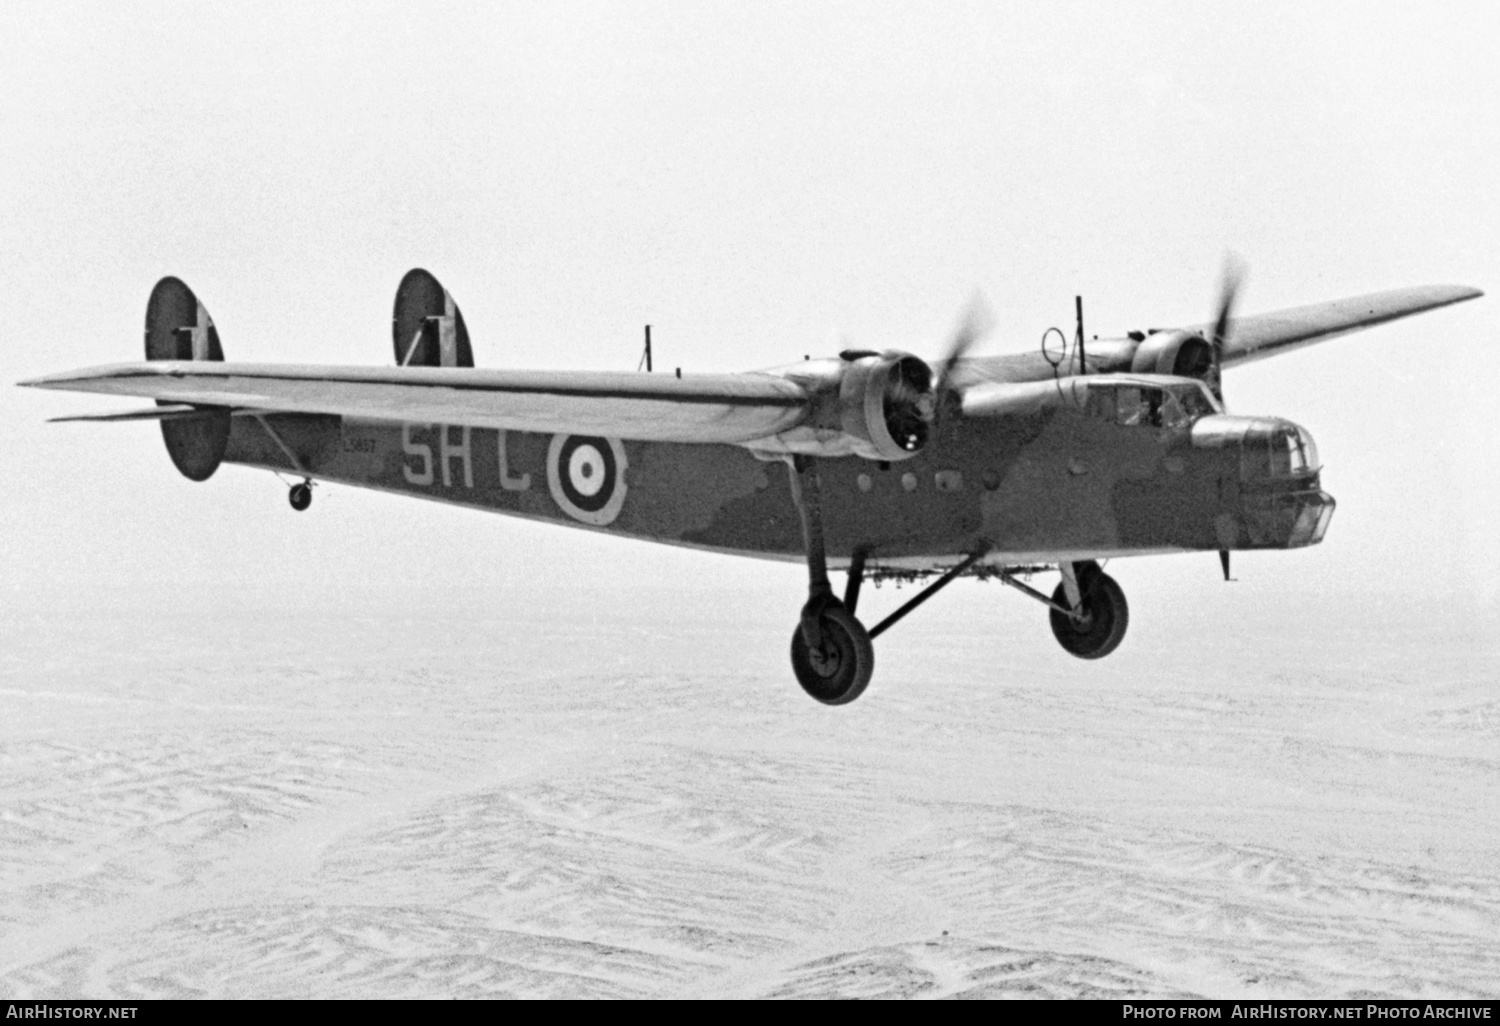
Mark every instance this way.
x=179 y=328
x=428 y=328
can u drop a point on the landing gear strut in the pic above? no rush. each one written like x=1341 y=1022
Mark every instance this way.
x=832 y=654
x=831 y=651
x=300 y=496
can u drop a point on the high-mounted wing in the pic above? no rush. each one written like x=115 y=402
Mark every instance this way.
x=864 y=403
x=1188 y=351
x=1255 y=338
x=695 y=408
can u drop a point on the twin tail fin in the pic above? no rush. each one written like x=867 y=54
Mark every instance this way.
x=428 y=328
x=179 y=328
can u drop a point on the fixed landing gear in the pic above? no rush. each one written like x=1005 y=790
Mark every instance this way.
x=833 y=655
x=300 y=496
x=1089 y=613
x=831 y=651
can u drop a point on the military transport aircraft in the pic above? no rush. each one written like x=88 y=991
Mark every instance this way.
x=876 y=463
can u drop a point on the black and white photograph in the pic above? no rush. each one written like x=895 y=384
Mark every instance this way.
x=665 y=499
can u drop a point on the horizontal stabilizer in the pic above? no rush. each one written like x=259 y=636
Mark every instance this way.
x=648 y=407
x=177 y=411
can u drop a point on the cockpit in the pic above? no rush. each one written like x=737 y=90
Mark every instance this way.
x=1270 y=449
x=1277 y=501
x=1171 y=404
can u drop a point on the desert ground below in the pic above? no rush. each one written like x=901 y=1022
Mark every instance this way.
x=552 y=797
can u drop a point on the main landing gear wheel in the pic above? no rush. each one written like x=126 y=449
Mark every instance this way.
x=300 y=496
x=1097 y=627
x=838 y=670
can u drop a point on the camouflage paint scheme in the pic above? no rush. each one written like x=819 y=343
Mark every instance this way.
x=1047 y=484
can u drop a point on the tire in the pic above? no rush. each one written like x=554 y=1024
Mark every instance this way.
x=300 y=497
x=841 y=671
x=1105 y=617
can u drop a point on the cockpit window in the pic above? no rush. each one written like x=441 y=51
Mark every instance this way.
x=1142 y=405
x=1102 y=403
x=1148 y=405
x=1195 y=403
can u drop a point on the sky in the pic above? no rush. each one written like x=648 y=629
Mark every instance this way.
x=757 y=181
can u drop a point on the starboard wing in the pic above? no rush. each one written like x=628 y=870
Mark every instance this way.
x=695 y=408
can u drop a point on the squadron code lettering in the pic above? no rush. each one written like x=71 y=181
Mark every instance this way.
x=69 y=1012
x=1274 y=1011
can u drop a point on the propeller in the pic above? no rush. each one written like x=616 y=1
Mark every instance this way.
x=973 y=325
x=1230 y=280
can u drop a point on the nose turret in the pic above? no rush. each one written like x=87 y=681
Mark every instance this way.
x=1270 y=478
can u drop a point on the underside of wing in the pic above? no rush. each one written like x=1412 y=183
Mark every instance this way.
x=1254 y=338
x=722 y=408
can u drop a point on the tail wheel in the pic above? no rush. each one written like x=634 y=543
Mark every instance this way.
x=839 y=669
x=300 y=496
x=1097 y=627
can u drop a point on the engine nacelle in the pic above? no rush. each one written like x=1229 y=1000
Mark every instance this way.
x=886 y=404
x=879 y=406
x=1173 y=352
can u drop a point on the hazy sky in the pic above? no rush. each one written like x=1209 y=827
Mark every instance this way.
x=754 y=180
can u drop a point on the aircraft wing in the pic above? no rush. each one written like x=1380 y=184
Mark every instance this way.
x=1254 y=338
x=648 y=407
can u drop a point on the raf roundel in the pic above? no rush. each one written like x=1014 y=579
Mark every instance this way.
x=587 y=477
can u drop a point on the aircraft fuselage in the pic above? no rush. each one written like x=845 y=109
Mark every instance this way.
x=1056 y=484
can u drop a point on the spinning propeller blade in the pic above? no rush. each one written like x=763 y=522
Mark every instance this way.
x=1230 y=281
x=976 y=322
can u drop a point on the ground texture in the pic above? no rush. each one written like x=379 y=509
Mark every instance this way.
x=422 y=805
